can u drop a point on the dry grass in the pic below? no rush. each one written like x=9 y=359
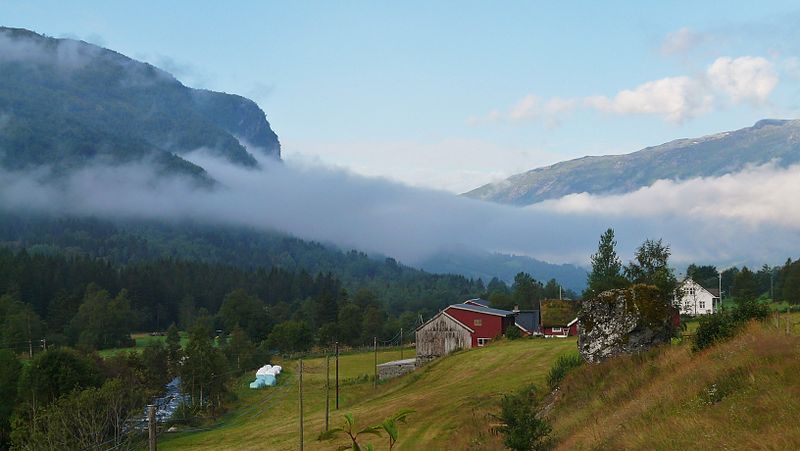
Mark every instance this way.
x=740 y=394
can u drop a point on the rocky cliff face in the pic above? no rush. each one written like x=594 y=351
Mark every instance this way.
x=623 y=321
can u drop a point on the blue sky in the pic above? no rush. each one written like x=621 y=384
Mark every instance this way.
x=451 y=95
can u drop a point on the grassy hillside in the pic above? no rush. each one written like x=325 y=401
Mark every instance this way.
x=740 y=394
x=452 y=398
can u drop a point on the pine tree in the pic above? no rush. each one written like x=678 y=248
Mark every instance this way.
x=606 y=267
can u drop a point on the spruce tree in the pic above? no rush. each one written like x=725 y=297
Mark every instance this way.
x=606 y=267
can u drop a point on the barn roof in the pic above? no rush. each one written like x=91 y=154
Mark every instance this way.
x=557 y=312
x=477 y=301
x=528 y=320
x=484 y=310
x=445 y=314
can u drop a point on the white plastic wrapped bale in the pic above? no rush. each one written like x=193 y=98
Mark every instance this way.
x=264 y=369
x=267 y=379
x=278 y=368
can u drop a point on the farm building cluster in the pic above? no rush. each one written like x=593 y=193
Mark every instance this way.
x=474 y=324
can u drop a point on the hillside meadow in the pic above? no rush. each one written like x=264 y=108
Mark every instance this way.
x=452 y=399
x=740 y=394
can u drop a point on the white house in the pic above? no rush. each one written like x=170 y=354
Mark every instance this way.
x=693 y=299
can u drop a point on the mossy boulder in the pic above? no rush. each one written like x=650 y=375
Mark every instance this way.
x=624 y=321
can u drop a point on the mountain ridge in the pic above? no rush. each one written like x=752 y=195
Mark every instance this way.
x=716 y=154
x=66 y=104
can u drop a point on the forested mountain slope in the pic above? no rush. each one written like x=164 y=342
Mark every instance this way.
x=67 y=104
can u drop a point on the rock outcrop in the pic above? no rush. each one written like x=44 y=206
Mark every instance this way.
x=624 y=321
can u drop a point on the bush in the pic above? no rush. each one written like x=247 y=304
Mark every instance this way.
x=724 y=324
x=513 y=333
x=563 y=365
x=747 y=310
x=521 y=428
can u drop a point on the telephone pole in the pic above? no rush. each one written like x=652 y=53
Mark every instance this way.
x=337 y=375
x=401 y=343
x=301 y=404
x=375 y=350
x=327 y=389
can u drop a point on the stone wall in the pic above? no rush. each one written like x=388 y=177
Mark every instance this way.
x=396 y=368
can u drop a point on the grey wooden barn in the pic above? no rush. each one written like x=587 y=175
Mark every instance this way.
x=440 y=336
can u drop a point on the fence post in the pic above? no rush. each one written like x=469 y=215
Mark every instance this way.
x=375 y=350
x=151 y=426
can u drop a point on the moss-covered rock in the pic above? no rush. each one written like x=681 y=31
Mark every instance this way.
x=624 y=321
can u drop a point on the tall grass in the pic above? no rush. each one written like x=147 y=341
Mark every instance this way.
x=563 y=365
x=741 y=393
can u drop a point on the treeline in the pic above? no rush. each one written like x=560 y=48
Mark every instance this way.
x=129 y=243
x=772 y=282
x=93 y=304
x=525 y=293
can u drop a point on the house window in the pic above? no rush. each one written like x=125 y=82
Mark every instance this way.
x=557 y=330
x=477 y=322
x=690 y=291
x=482 y=341
x=702 y=304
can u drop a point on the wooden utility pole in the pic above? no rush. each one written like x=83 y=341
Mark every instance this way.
x=337 y=375
x=327 y=389
x=401 y=343
x=151 y=426
x=30 y=340
x=301 y=404
x=375 y=350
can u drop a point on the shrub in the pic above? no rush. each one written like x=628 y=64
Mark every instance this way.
x=724 y=324
x=513 y=333
x=521 y=428
x=751 y=309
x=563 y=365
x=713 y=328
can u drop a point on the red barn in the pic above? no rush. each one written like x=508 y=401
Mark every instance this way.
x=460 y=326
x=485 y=323
x=559 y=318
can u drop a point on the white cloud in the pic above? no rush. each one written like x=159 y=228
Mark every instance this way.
x=674 y=98
x=681 y=41
x=731 y=219
x=755 y=196
x=744 y=79
x=747 y=79
x=455 y=165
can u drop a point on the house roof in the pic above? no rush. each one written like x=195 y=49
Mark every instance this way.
x=528 y=320
x=688 y=279
x=445 y=314
x=557 y=312
x=484 y=310
x=477 y=301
